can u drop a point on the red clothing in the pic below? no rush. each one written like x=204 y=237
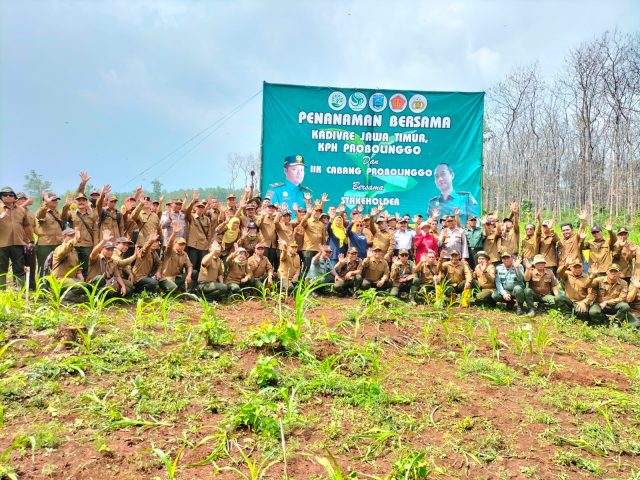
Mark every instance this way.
x=423 y=243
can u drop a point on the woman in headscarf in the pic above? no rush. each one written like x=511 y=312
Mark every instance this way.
x=337 y=238
x=230 y=231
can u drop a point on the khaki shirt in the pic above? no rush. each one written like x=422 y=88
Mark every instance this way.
x=13 y=225
x=457 y=274
x=199 y=233
x=285 y=231
x=623 y=257
x=211 y=269
x=427 y=273
x=65 y=259
x=576 y=289
x=604 y=291
x=375 y=270
x=289 y=265
x=102 y=266
x=401 y=271
x=146 y=264
x=313 y=233
x=547 y=248
x=384 y=240
x=50 y=225
x=28 y=233
x=123 y=264
x=486 y=278
x=108 y=220
x=87 y=224
x=148 y=223
x=601 y=252
x=174 y=264
x=268 y=231
x=353 y=266
x=236 y=271
x=541 y=282
x=260 y=267
x=491 y=245
x=569 y=248
x=530 y=246
x=509 y=241
x=249 y=243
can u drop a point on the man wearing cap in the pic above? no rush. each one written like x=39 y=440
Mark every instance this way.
x=15 y=228
x=211 y=274
x=290 y=267
x=381 y=235
x=458 y=276
x=314 y=235
x=570 y=243
x=250 y=238
x=403 y=237
x=531 y=239
x=146 y=269
x=232 y=206
x=608 y=296
x=453 y=239
x=510 y=282
x=576 y=288
x=484 y=275
x=491 y=239
x=291 y=190
x=623 y=254
x=122 y=262
x=147 y=221
x=449 y=199
x=510 y=232
x=51 y=224
x=173 y=214
x=543 y=286
x=427 y=275
x=176 y=270
x=65 y=264
x=110 y=218
x=103 y=271
x=402 y=275
x=238 y=274
x=601 y=249
x=633 y=299
x=269 y=234
x=321 y=271
x=29 y=246
x=547 y=245
x=84 y=220
x=424 y=239
x=199 y=231
x=375 y=272
x=284 y=230
x=347 y=271
x=475 y=236
x=260 y=267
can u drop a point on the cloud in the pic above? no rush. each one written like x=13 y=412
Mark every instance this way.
x=484 y=59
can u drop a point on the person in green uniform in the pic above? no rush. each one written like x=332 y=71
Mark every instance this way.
x=449 y=199
x=291 y=190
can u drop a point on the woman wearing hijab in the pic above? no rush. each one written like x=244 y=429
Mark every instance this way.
x=337 y=238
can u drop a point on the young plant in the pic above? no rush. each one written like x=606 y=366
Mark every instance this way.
x=256 y=468
x=170 y=464
x=265 y=373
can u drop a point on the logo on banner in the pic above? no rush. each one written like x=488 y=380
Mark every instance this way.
x=417 y=103
x=398 y=102
x=337 y=100
x=378 y=102
x=357 y=101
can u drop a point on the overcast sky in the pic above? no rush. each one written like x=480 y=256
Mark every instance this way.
x=113 y=87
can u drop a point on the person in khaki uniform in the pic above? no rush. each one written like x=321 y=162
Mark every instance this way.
x=633 y=299
x=124 y=264
x=103 y=271
x=29 y=248
x=346 y=271
x=530 y=242
x=176 y=270
x=457 y=274
x=510 y=232
x=623 y=254
x=608 y=296
x=84 y=220
x=402 y=275
x=485 y=279
x=260 y=267
x=314 y=235
x=238 y=275
x=381 y=235
x=570 y=244
x=147 y=221
x=427 y=272
x=375 y=272
x=269 y=234
x=65 y=266
x=601 y=249
x=211 y=274
x=576 y=288
x=146 y=269
x=290 y=266
x=547 y=245
x=250 y=238
x=50 y=225
x=109 y=217
x=199 y=231
x=14 y=229
x=491 y=243
x=543 y=286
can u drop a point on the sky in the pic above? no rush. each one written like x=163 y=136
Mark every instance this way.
x=115 y=88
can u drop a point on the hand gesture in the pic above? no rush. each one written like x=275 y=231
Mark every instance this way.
x=456 y=211
x=324 y=197
x=516 y=263
x=105 y=190
x=294 y=206
x=369 y=252
x=161 y=200
x=581 y=307
x=154 y=236
x=68 y=199
x=307 y=196
x=514 y=207
x=107 y=235
x=341 y=208
x=341 y=257
x=550 y=223
x=84 y=176
x=283 y=244
x=582 y=235
x=435 y=212
x=582 y=216
x=525 y=261
x=374 y=211
x=138 y=192
x=360 y=208
x=423 y=258
x=77 y=235
x=175 y=226
x=609 y=225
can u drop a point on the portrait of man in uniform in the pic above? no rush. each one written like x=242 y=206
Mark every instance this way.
x=449 y=199
x=291 y=190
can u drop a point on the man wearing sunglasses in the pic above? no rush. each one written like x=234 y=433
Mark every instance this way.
x=14 y=229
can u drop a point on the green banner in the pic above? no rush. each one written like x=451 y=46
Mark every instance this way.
x=401 y=151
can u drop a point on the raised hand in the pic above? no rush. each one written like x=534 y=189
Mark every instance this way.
x=456 y=211
x=374 y=211
x=341 y=208
x=107 y=235
x=324 y=197
x=341 y=257
x=609 y=225
x=195 y=195
x=307 y=196
x=175 y=226
x=514 y=207
x=84 y=176
x=583 y=215
x=435 y=212
x=105 y=190
x=294 y=206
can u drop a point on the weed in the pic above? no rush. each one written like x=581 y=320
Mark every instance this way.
x=567 y=458
x=265 y=372
x=170 y=464
x=333 y=470
x=496 y=372
x=256 y=468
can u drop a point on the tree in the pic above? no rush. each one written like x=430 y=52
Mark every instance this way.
x=240 y=168
x=157 y=188
x=35 y=184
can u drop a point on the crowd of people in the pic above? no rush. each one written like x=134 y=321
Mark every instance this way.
x=213 y=249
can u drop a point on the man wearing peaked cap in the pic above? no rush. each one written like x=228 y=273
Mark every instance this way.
x=103 y=270
x=576 y=288
x=51 y=224
x=623 y=254
x=608 y=296
x=291 y=190
x=543 y=286
x=176 y=272
x=601 y=248
x=510 y=282
x=347 y=272
x=14 y=229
